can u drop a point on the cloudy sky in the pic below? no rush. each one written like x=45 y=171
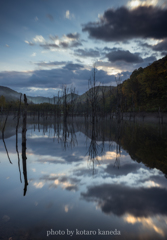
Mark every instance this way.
x=47 y=43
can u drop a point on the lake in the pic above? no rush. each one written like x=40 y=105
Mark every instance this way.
x=83 y=181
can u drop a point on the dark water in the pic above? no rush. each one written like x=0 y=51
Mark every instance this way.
x=105 y=181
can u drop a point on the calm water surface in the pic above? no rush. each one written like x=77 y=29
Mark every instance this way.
x=108 y=178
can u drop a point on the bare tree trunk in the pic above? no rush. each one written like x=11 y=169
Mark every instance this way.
x=24 y=158
x=18 y=118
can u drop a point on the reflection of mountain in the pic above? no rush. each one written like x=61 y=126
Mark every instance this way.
x=144 y=143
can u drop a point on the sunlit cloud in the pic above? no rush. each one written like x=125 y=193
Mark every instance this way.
x=61 y=180
x=147 y=222
x=108 y=156
x=67 y=208
x=136 y=3
x=68 y=15
x=7 y=45
x=39 y=38
x=38 y=184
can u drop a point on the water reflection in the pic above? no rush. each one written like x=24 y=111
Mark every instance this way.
x=109 y=173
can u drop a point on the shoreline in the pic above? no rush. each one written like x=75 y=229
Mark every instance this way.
x=153 y=117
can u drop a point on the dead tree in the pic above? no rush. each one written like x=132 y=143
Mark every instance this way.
x=24 y=158
x=118 y=97
x=103 y=89
x=72 y=102
x=93 y=94
x=17 y=125
x=65 y=105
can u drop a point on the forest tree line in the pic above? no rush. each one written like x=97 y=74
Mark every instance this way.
x=145 y=90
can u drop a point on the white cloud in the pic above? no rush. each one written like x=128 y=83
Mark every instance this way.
x=29 y=43
x=39 y=38
x=33 y=55
x=68 y=15
x=136 y=3
x=38 y=184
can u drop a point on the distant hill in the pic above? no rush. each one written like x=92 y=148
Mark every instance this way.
x=11 y=95
x=82 y=98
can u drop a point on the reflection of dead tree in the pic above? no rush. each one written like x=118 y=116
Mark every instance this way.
x=68 y=138
x=18 y=118
x=117 y=159
x=73 y=140
x=93 y=149
x=118 y=146
x=24 y=158
x=6 y=150
x=3 y=129
x=65 y=135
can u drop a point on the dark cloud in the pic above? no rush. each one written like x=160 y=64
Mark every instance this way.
x=162 y=46
x=72 y=66
x=125 y=66
x=62 y=44
x=49 y=64
x=107 y=49
x=49 y=45
x=72 y=43
x=146 y=61
x=73 y=35
x=87 y=53
x=163 y=53
x=146 y=45
x=54 y=78
x=126 y=56
x=123 y=170
x=75 y=44
x=50 y=161
x=72 y=188
x=119 y=200
x=53 y=38
x=50 y=17
x=65 y=179
x=150 y=59
x=83 y=172
x=123 y=24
